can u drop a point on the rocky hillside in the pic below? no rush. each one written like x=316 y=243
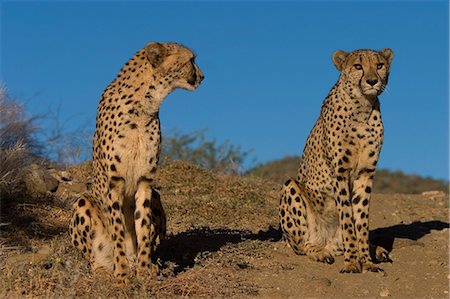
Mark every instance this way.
x=385 y=181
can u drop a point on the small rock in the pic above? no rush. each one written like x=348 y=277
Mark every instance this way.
x=433 y=193
x=385 y=293
x=242 y=265
x=44 y=250
x=324 y=281
x=433 y=262
x=319 y=281
x=38 y=180
x=65 y=176
x=287 y=267
x=54 y=173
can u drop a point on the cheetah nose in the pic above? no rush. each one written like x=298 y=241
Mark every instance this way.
x=202 y=77
x=372 y=82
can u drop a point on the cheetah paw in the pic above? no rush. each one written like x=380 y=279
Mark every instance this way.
x=370 y=267
x=322 y=256
x=353 y=267
x=379 y=254
x=122 y=282
x=148 y=272
x=326 y=259
x=382 y=255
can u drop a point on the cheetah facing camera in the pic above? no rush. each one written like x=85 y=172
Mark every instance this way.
x=326 y=212
x=121 y=220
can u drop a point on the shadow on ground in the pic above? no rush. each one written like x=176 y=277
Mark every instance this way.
x=386 y=236
x=24 y=218
x=186 y=248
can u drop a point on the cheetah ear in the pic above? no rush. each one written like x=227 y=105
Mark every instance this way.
x=339 y=58
x=387 y=54
x=155 y=53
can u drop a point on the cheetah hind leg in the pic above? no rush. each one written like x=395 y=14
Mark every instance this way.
x=89 y=235
x=298 y=225
x=158 y=218
x=158 y=227
x=150 y=211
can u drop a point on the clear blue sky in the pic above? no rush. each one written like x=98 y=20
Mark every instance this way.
x=267 y=65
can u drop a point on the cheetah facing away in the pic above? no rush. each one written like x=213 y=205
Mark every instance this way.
x=121 y=220
x=326 y=211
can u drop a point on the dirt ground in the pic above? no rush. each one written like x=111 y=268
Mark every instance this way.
x=224 y=242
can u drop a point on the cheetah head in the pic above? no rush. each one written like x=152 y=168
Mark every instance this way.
x=364 y=72
x=175 y=65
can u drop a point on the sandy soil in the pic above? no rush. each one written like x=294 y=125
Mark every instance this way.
x=224 y=242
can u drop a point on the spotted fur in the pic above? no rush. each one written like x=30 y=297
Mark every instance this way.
x=121 y=220
x=325 y=212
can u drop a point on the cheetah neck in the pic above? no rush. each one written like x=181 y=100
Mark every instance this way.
x=357 y=109
x=359 y=106
x=140 y=90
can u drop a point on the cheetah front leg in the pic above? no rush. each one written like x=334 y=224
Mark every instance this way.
x=117 y=227
x=362 y=188
x=345 y=211
x=150 y=225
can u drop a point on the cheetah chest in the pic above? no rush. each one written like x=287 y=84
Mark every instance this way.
x=138 y=150
x=365 y=142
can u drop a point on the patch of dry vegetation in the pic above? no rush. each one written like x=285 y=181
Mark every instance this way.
x=219 y=245
x=18 y=148
x=59 y=271
x=208 y=213
x=216 y=197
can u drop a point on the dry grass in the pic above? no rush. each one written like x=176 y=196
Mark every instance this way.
x=12 y=163
x=17 y=146
x=220 y=245
x=209 y=214
x=15 y=126
x=61 y=272
x=216 y=198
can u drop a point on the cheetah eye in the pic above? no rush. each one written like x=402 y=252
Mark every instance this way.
x=358 y=66
x=380 y=66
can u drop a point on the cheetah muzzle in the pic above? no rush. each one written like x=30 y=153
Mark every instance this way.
x=118 y=224
x=325 y=212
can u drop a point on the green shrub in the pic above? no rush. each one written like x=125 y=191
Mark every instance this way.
x=195 y=148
